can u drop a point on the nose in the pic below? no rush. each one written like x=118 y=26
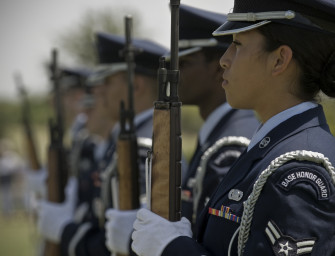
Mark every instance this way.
x=225 y=60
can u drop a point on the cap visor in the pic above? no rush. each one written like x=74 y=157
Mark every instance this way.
x=183 y=52
x=234 y=27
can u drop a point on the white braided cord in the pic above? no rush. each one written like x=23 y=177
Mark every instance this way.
x=200 y=174
x=249 y=204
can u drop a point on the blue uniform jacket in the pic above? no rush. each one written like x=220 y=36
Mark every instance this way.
x=295 y=212
x=234 y=123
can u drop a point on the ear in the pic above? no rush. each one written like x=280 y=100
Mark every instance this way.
x=282 y=58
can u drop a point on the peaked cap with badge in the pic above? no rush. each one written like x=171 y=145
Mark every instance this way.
x=315 y=15
x=74 y=77
x=196 y=27
x=110 y=47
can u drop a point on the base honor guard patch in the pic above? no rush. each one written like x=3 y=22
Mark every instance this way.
x=307 y=176
x=286 y=246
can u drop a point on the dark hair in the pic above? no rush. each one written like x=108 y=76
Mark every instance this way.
x=314 y=53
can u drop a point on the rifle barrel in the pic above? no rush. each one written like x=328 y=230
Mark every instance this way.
x=30 y=141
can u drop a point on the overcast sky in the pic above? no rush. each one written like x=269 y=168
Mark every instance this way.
x=28 y=29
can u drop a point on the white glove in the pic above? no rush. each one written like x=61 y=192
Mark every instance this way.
x=118 y=229
x=153 y=233
x=36 y=182
x=53 y=217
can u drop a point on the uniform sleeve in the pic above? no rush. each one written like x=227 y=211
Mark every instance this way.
x=182 y=246
x=294 y=214
x=83 y=240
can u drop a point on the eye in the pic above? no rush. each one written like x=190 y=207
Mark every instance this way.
x=236 y=43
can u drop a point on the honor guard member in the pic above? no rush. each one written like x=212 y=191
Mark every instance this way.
x=90 y=145
x=72 y=90
x=78 y=104
x=82 y=157
x=87 y=237
x=278 y=198
x=226 y=131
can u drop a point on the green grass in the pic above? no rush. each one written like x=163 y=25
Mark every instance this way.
x=18 y=235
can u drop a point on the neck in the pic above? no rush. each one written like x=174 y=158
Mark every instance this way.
x=266 y=112
x=208 y=107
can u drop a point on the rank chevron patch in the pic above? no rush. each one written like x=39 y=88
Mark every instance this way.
x=286 y=246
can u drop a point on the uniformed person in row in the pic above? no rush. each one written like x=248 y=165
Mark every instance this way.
x=200 y=85
x=81 y=159
x=72 y=90
x=87 y=237
x=200 y=80
x=118 y=226
x=279 y=196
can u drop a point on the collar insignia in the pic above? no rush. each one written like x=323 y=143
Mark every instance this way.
x=264 y=142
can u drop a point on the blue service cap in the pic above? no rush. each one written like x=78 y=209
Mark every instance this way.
x=73 y=77
x=315 y=15
x=110 y=48
x=195 y=30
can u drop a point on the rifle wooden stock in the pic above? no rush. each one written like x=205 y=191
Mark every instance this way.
x=55 y=193
x=31 y=149
x=128 y=174
x=166 y=151
x=57 y=175
x=166 y=163
x=56 y=182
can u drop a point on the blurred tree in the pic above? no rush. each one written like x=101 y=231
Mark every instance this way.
x=78 y=41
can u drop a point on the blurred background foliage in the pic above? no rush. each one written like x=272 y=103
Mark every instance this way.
x=79 y=41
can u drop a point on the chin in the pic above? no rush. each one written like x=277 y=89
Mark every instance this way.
x=238 y=105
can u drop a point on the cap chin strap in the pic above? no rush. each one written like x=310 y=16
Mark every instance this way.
x=254 y=16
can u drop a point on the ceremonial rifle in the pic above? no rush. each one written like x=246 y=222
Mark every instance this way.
x=166 y=151
x=128 y=170
x=29 y=137
x=57 y=161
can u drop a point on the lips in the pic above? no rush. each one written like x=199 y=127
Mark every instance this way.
x=224 y=82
